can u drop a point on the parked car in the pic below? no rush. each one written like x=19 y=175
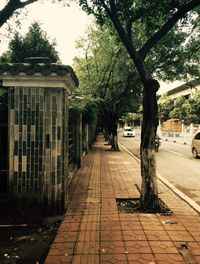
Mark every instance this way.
x=128 y=132
x=196 y=145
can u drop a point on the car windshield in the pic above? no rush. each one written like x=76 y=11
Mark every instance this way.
x=128 y=129
x=197 y=136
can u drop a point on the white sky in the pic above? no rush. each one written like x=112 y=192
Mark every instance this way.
x=62 y=23
x=166 y=86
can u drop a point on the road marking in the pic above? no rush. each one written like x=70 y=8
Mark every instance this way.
x=174 y=152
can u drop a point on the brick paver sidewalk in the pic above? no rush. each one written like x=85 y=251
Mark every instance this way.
x=94 y=232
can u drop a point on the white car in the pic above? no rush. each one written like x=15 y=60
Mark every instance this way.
x=128 y=132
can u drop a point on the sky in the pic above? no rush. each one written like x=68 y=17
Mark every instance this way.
x=166 y=86
x=62 y=23
x=65 y=25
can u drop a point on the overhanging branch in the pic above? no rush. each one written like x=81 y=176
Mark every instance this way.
x=11 y=7
x=182 y=11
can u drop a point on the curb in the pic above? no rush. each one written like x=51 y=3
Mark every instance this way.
x=180 y=194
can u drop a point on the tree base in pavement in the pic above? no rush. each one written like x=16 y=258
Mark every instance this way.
x=132 y=205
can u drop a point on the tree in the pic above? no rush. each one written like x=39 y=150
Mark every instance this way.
x=165 y=105
x=132 y=118
x=104 y=72
x=141 y=25
x=187 y=109
x=193 y=109
x=178 y=110
x=34 y=44
x=11 y=7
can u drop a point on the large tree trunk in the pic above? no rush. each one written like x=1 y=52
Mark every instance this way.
x=114 y=143
x=113 y=129
x=149 y=192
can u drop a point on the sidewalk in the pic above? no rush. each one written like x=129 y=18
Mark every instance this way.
x=95 y=232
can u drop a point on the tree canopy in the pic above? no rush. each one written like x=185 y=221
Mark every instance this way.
x=187 y=109
x=34 y=44
x=105 y=72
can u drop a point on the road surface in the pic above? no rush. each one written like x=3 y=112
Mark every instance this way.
x=175 y=163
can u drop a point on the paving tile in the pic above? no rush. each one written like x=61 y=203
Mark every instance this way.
x=162 y=247
x=91 y=211
x=113 y=259
x=110 y=226
x=134 y=235
x=65 y=237
x=141 y=259
x=91 y=218
x=195 y=235
x=149 y=225
x=157 y=235
x=85 y=259
x=128 y=217
x=169 y=259
x=110 y=217
x=113 y=235
x=131 y=225
x=71 y=219
x=189 y=219
x=87 y=247
x=112 y=247
x=89 y=235
x=192 y=226
x=177 y=235
x=148 y=218
x=197 y=259
x=62 y=249
x=141 y=247
x=90 y=226
x=173 y=225
x=107 y=211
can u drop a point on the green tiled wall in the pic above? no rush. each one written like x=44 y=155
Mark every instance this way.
x=37 y=144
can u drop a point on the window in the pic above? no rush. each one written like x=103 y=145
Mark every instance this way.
x=197 y=136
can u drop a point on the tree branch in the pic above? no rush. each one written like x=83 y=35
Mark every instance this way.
x=123 y=93
x=11 y=7
x=109 y=70
x=182 y=11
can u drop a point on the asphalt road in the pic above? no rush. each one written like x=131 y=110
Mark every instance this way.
x=175 y=163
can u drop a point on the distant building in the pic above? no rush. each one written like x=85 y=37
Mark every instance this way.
x=186 y=90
